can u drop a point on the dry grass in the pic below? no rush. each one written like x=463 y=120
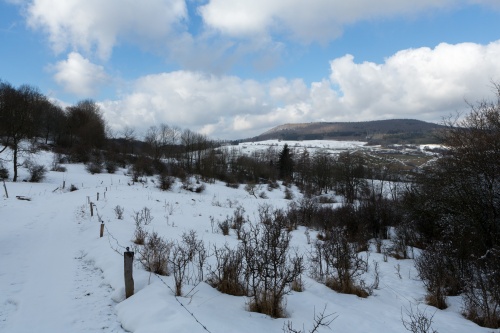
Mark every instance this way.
x=346 y=288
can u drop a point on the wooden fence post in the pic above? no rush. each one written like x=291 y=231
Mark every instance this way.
x=97 y=196
x=5 y=188
x=128 y=268
x=91 y=209
x=101 y=233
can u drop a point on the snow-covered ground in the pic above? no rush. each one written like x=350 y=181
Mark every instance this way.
x=57 y=275
x=312 y=146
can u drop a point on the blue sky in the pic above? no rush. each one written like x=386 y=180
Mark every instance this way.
x=235 y=68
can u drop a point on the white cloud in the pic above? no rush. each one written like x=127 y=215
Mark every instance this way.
x=419 y=83
x=424 y=83
x=306 y=21
x=78 y=75
x=96 y=25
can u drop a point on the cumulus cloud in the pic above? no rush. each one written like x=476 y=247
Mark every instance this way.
x=306 y=21
x=423 y=83
x=419 y=83
x=78 y=75
x=95 y=25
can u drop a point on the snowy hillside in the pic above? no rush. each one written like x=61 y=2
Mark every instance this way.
x=57 y=275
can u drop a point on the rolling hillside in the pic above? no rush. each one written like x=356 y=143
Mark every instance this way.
x=375 y=132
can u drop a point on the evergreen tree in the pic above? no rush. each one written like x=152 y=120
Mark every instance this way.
x=285 y=163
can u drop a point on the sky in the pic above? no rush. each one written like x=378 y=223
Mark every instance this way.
x=233 y=69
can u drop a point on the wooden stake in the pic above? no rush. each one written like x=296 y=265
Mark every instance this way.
x=128 y=268
x=102 y=230
x=91 y=209
x=97 y=196
x=5 y=188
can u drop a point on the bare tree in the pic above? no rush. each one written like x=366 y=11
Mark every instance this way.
x=20 y=114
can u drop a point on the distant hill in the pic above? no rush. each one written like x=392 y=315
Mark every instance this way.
x=375 y=132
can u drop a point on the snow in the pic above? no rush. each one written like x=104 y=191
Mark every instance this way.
x=58 y=275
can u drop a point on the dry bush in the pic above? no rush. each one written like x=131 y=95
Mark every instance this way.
x=189 y=185
x=228 y=275
x=263 y=195
x=320 y=320
x=165 y=181
x=56 y=164
x=94 y=167
x=346 y=287
x=119 y=212
x=335 y=262
x=154 y=254
x=224 y=226
x=482 y=290
x=196 y=251
x=436 y=270
x=179 y=261
x=37 y=172
x=232 y=185
x=4 y=172
x=417 y=321
x=288 y=194
x=143 y=216
x=269 y=268
x=298 y=285
x=238 y=220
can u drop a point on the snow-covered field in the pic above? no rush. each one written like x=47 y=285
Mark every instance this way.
x=312 y=146
x=57 y=275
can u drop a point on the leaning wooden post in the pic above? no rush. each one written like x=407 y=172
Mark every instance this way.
x=91 y=209
x=129 y=279
x=5 y=188
x=101 y=233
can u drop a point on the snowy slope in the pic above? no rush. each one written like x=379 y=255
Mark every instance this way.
x=58 y=275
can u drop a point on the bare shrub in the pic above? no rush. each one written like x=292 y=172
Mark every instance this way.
x=56 y=164
x=37 y=172
x=320 y=320
x=4 y=172
x=179 y=261
x=154 y=254
x=482 y=290
x=189 y=185
x=288 y=194
x=272 y=185
x=228 y=275
x=270 y=269
x=140 y=235
x=417 y=321
x=94 y=166
x=298 y=285
x=435 y=269
x=238 y=220
x=232 y=185
x=143 y=216
x=251 y=188
x=165 y=181
x=119 y=212
x=224 y=227
x=336 y=262
x=263 y=195
x=110 y=166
